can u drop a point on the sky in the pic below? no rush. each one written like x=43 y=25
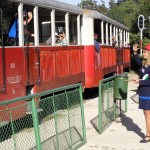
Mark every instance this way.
x=75 y=2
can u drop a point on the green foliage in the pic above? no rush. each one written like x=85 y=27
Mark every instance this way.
x=127 y=13
x=134 y=38
x=145 y=41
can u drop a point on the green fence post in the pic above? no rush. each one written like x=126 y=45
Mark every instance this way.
x=107 y=89
x=100 y=108
x=69 y=119
x=56 y=124
x=12 y=126
x=114 y=101
x=126 y=101
x=36 y=125
x=82 y=113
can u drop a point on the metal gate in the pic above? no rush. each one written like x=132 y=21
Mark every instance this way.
x=52 y=120
x=108 y=108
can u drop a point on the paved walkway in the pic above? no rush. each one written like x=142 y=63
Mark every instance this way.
x=118 y=136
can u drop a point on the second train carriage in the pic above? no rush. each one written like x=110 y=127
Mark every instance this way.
x=32 y=66
x=112 y=59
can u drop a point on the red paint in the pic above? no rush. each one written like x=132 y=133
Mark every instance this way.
x=52 y=67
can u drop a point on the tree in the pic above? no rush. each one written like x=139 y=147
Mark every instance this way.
x=144 y=10
x=127 y=12
x=111 y=3
x=93 y=4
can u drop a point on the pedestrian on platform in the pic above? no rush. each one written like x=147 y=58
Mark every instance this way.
x=144 y=87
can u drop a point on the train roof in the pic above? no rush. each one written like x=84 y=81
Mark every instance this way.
x=52 y=4
x=97 y=15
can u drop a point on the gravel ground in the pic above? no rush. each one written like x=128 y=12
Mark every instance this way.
x=118 y=136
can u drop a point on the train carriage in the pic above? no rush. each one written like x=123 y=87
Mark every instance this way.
x=112 y=59
x=32 y=65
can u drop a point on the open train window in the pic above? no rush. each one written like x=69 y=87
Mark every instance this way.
x=13 y=23
x=64 y=22
x=46 y=29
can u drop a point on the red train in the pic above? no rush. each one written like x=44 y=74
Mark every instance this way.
x=33 y=67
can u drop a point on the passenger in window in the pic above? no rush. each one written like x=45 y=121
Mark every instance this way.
x=114 y=41
x=49 y=40
x=27 y=16
x=62 y=40
x=96 y=43
x=13 y=28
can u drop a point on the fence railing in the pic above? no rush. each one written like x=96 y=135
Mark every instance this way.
x=108 y=107
x=51 y=120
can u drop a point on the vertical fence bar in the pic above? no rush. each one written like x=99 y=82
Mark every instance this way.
x=114 y=101
x=69 y=119
x=100 y=108
x=107 y=89
x=56 y=125
x=82 y=113
x=12 y=126
x=126 y=101
x=36 y=125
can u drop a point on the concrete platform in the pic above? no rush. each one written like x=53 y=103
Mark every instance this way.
x=118 y=136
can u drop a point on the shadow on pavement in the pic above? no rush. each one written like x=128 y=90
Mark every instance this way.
x=90 y=93
x=131 y=126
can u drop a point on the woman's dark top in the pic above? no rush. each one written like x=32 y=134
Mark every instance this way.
x=144 y=85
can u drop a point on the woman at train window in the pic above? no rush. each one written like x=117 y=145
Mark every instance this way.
x=96 y=43
x=144 y=87
x=49 y=40
x=62 y=40
x=13 y=29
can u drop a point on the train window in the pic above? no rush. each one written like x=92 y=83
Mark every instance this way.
x=45 y=24
x=13 y=24
x=63 y=21
x=97 y=29
x=8 y=11
x=47 y=20
x=46 y=29
x=29 y=27
x=73 y=29
x=1 y=26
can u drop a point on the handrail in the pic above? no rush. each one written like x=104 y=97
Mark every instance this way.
x=3 y=89
x=38 y=81
x=29 y=97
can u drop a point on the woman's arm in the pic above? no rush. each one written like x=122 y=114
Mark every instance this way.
x=25 y=22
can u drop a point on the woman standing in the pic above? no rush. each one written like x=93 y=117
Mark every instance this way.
x=144 y=87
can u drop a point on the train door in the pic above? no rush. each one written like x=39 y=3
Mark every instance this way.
x=97 y=56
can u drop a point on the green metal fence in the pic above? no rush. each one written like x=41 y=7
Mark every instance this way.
x=108 y=107
x=52 y=120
